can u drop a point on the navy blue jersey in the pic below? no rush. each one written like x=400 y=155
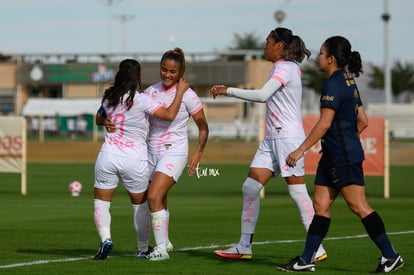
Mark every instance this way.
x=341 y=144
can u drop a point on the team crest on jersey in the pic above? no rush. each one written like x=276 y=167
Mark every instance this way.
x=167 y=146
x=153 y=93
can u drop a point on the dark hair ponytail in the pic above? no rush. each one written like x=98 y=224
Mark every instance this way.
x=355 y=63
x=297 y=49
x=340 y=48
x=127 y=80
x=294 y=47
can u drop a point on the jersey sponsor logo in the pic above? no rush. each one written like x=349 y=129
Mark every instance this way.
x=328 y=98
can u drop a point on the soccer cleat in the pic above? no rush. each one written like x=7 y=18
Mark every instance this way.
x=144 y=254
x=104 y=249
x=170 y=247
x=321 y=258
x=158 y=255
x=389 y=265
x=297 y=265
x=236 y=252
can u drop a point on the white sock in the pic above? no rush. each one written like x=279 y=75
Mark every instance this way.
x=251 y=207
x=300 y=195
x=142 y=225
x=102 y=218
x=167 y=216
x=160 y=228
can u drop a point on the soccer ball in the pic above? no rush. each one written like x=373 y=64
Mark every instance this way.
x=75 y=188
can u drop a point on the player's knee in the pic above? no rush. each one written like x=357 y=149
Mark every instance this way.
x=251 y=187
x=154 y=202
x=360 y=210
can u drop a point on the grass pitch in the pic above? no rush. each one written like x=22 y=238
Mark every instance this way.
x=49 y=232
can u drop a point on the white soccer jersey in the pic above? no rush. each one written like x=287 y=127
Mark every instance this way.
x=283 y=108
x=129 y=139
x=171 y=135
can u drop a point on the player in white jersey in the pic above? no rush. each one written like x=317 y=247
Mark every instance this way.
x=282 y=94
x=123 y=155
x=168 y=145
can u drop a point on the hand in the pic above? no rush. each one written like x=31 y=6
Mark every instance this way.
x=182 y=85
x=193 y=164
x=293 y=157
x=218 y=90
x=109 y=126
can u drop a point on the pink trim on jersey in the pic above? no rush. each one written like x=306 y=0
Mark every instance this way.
x=197 y=110
x=172 y=89
x=281 y=80
x=279 y=71
x=283 y=108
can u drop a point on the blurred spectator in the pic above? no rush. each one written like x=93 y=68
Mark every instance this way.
x=50 y=126
x=6 y=109
x=70 y=124
x=238 y=126
x=81 y=125
x=34 y=125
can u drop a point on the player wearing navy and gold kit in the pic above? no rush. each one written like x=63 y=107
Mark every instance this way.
x=342 y=119
x=341 y=146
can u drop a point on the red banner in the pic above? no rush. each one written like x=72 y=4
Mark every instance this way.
x=372 y=140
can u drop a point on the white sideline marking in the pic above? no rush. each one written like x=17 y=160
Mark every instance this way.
x=197 y=248
x=295 y=241
x=42 y=262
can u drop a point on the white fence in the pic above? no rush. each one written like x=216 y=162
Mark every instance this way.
x=400 y=118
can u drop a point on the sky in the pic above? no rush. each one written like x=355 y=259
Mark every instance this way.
x=96 y=26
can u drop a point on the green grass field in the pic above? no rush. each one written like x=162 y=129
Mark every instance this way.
x=49 y=232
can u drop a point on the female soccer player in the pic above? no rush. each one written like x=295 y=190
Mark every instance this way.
x=342 y=119
x=168 y=145
x=282 y=94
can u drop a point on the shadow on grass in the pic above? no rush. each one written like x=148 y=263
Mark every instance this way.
x=209 y=255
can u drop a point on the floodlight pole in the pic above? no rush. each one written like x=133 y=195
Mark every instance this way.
x=387 y=66
x=109 y=3
x=124 y=19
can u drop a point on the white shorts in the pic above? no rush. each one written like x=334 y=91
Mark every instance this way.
x=167 y=163
x=110 y=169
x=272 y=154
